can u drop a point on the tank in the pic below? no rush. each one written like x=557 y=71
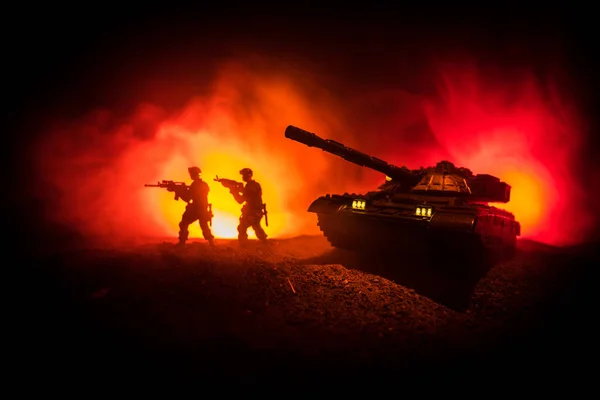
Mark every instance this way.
x=443 y=206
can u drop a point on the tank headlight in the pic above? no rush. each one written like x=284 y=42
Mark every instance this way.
x=423 y=211
x=358 y=204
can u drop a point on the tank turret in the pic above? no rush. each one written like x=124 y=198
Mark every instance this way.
x=445 y=179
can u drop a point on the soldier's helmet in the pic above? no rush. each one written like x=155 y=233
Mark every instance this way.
x=194 y=170
x=246 y=172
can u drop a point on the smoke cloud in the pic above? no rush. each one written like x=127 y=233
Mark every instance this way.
x=94 y=168
x=519 y=126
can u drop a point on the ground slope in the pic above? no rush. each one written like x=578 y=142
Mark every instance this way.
x=298 y=306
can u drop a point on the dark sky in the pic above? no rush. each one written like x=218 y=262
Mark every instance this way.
x=76 y=55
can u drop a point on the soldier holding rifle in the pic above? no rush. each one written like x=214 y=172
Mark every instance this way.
x=197 y=208
x=253 y=209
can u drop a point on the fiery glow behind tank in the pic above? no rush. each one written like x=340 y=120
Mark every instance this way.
x=526 y=133
x=95 y=167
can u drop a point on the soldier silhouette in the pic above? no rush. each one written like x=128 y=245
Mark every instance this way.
x=253 y=210
x=197 y=208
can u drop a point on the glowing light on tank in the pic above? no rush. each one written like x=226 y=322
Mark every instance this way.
x=358 y=204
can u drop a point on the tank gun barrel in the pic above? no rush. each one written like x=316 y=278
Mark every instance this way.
x=356 y=157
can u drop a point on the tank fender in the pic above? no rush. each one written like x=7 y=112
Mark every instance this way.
x=453 y=222
x=325 y=205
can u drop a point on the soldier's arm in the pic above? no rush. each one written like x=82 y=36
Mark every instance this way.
x=238 y=196
x=184 y=193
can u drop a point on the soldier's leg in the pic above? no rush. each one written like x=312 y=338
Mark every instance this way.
x=243 y=229
x=259 y=231
x=206 y=232
x=186 y=219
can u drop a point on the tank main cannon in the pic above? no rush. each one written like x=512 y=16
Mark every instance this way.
x=444 y=179
x=349 y=154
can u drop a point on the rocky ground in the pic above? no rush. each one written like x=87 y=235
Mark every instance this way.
x=299 y=307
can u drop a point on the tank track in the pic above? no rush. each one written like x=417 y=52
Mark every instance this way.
x=362 y=236
x=341 y=236
x=330 y=227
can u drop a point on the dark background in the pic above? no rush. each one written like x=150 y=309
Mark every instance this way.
x=65 y=60
x=72 y=58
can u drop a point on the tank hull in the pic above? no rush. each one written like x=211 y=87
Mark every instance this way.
x=396 y=226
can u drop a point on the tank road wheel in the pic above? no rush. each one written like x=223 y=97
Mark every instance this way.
x=334 y=232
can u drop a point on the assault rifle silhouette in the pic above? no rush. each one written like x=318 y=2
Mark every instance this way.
x=230 y=183
x=179 y=188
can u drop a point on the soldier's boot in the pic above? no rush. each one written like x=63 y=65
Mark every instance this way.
x=207 y=234
x=209 y=238
x=261 y=235
x=242 y=236
x=243 y=240
x=183 y=236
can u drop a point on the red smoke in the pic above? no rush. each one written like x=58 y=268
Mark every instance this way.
x=97 y=166
x=526 y=134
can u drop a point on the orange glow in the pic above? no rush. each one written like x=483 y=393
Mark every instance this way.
x=527 y=200
x=95 y=168
x=98 y=167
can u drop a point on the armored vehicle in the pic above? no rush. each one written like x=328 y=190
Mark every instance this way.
x=444 y=207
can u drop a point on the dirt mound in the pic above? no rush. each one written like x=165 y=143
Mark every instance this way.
x=293 y=304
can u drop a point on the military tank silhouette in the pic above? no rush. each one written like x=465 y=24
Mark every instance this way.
x=442 y=206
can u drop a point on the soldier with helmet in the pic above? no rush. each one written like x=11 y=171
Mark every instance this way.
x=197 y=208
x=253 y=210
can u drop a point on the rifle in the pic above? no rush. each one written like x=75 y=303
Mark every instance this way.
x=210 y=214
x=230 y=183
x=177 y=187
